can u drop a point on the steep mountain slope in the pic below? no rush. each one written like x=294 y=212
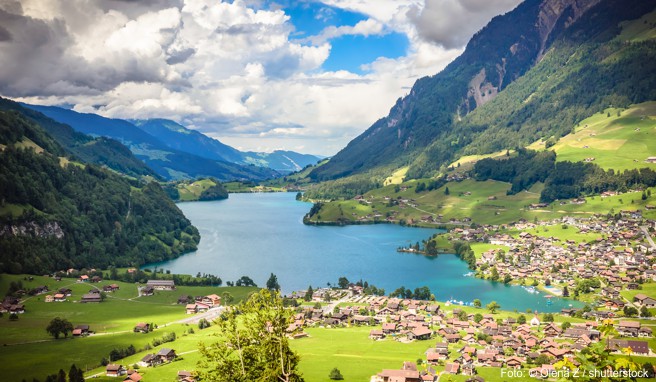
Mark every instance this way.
x=563 y=52
x=56 y=214
x=167 y=162
x=101 y=151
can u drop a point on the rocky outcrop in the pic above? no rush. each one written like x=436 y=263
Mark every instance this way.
x=33 y=229
x=550 y=15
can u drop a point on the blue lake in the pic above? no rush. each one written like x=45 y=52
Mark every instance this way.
x=257 y=234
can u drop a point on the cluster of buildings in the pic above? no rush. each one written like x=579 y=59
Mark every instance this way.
x=459 y=342
x=618 y=257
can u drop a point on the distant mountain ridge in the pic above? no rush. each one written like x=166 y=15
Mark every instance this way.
x=176 y=152
x=529 y=74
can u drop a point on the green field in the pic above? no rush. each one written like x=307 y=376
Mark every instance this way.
x=29 y=349
x=617 y=139
x=191 y=190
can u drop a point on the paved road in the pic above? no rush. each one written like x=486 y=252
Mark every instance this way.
x=648 y=236
x=210 y=315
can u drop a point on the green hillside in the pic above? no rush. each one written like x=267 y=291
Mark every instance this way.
x=618 y=139
x=593 y=57
x=199 y=190
x=56 y=214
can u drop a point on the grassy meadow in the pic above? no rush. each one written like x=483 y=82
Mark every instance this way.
x=30 y=350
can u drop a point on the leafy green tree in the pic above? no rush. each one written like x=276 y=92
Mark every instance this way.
x=630 y=311
x=478 y=318
x=493 y=307
x=548 y=317
x=253 y=345
x=308 y=294
x=477 y=303
x=59 y=326
x=521 y=319
x=335 y=375
x=565 y=292
x=203 y=323
x=227 y=298
x=272 y=283
x=565 y=325
x=644 y=312
x=343 y=283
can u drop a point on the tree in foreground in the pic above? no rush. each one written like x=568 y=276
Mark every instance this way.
x=335 y=375
x=251 y=344
x=59 y=326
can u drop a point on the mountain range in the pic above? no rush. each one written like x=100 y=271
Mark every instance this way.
x=529 y=75
x=175 y=152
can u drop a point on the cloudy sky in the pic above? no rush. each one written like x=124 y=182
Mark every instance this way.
x=304 y=75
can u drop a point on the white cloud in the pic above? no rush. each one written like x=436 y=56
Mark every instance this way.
x=451 y=23
x=229 y=69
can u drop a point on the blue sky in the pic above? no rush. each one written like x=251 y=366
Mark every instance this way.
x=348 y=52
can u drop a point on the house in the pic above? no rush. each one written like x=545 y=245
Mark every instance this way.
x=110 y=288
x=191 y=309
x=644 y=300
x=212 y=300
x=133 y=376
x=161 y=284
x=49 y=298
x=147 y=291
x=166 y=355
x=142 y=327
x=637 y=347
x=452 y=368
x=149 y=360
x=113 y=370
x=391 y=375
x=83 y=330
x=389 y=328
x=66 y=291
x=420 y=333
x=83 y=279
x=59 y=297
x=184 y=375
x=91 y=297
x=628 y=328
x=376 y=334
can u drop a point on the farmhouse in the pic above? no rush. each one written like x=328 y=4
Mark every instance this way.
x=161 y=284
x=142 y=327
x=212 y=300
x=91 y=297
x=113 y=370
x=166 y=355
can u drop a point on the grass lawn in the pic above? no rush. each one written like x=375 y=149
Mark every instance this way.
x=29 y=352
x=619 y=142
x=192 y=191
x=353 y=353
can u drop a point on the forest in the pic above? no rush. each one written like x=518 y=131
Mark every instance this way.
x=57 y=214
x=562 y=180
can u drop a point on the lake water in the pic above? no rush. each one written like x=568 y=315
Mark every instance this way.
x=257 y=234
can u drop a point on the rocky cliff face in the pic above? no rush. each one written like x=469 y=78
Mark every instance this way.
x=33 y=229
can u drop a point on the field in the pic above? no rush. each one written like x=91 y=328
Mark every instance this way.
x=192 y=190
x=484 y=202
x=29 y=349
x=613 y=139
